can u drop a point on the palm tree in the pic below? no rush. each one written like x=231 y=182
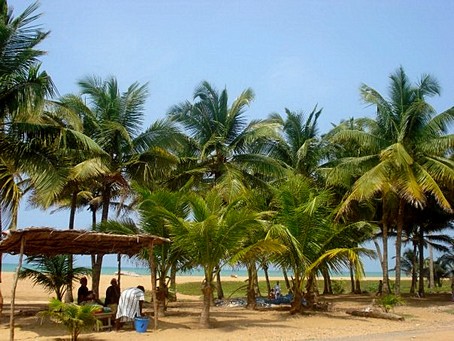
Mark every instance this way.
x=215 y=231
x=304 y=226
x=223 y=142
x=407 y=160
x=22 y=87
x=298 y=147
x=114 y=120
x=222 y=137
x=54 y=273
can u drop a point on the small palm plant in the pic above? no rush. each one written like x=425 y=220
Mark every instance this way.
x=75 y=318
x=53 y=273
x=388 y=302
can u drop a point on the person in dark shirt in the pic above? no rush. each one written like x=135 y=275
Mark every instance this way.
x=83 y=291
x=112 y=295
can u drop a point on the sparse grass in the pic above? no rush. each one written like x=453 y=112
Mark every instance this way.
x=238 y=289
x=450 y=311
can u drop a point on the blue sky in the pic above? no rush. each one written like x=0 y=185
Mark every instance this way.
x=293 y=54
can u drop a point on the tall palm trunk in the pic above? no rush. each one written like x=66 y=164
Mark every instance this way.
x=97 y=264
x=267 y=277
x=162 y=293
x=421 y=262
x=297 y=293
x=173 y=283
x=219 y=289
x=352 y=278
x=251 y=271
x=431 y=268
x=400 y=227
x=72 y=218
x=385 y=251
x=207 y=291
x=311 y=291
x=414 y=266
x=287 y=282
x=327 y=287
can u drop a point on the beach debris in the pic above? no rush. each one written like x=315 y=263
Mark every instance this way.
x=127 y=273
x=234 y=302
x=375 y=313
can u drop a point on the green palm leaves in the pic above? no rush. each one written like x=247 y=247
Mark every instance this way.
x=222 y=138
x=405 y=152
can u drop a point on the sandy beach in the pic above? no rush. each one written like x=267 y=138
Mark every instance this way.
x=431 y=317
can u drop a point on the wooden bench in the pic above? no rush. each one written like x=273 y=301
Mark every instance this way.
x=104 y=317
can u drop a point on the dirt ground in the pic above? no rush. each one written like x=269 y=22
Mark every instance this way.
x=425 y=318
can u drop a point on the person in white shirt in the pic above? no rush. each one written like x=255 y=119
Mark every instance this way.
x=129 y=305
x=277 y=290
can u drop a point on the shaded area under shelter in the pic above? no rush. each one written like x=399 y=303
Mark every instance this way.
x=50 y=242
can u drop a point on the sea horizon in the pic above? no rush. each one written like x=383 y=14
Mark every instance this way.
x=143 y=271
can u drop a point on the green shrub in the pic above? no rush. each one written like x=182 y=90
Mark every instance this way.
x=338 y=287
x=388 y=302
x=74 y=317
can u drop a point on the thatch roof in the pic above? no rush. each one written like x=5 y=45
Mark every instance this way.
x=48 y=241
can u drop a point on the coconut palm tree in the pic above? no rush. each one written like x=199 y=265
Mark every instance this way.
x=23 y=87
x=114 y=120
x=303 y=224
x=211 y=236
x=54 y=273
x=407 y=160
x=223 y=141
x=222 y=137
x=299 y=146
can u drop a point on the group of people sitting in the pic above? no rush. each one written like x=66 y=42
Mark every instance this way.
x=125 y=305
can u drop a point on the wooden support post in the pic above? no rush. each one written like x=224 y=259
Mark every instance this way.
x=153 y=286
x=13 y=290
x=119 y=269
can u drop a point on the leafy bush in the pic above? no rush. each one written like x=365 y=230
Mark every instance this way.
x=338 y=287
x=74 y=317
x=388 y=302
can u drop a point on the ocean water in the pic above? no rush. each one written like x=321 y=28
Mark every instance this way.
x=110 y=270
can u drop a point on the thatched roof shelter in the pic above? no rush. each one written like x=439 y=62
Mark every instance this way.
x=50 y=242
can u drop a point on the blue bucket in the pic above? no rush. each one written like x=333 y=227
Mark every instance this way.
x=141 y=324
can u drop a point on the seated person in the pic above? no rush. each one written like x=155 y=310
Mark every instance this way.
x=112 y=296
x=130 y=305
x=83 y=291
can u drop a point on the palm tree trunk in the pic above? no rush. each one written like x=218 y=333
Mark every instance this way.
x=400 y=227
x=385 y=251
x=287 y=282
x=414 y=266
x=431 y=268
x=256 y=281
x=297 y=294
x=352 y=279
x=219 y=284
x=267 y=277
x=251 y=303
x=421 y=262
x=327 y=289
x=173 y=283
x=97 y=265
x=311 y=292
x=207 y=291
x=72 y=218
x=358 y=286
